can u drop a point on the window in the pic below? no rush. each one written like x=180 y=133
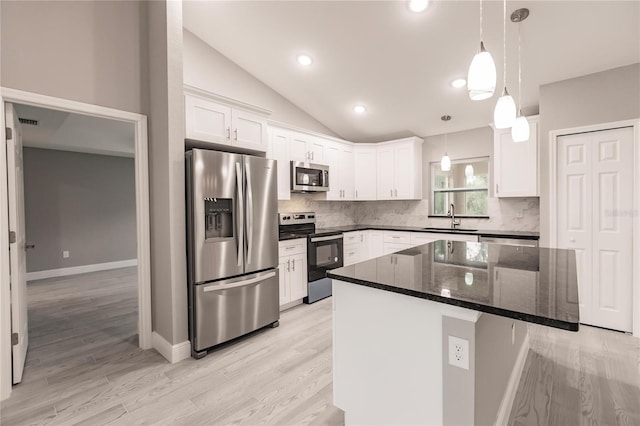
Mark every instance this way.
x=466 y=185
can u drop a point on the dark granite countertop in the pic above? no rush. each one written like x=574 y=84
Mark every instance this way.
x=484 y=233
x=537 y=285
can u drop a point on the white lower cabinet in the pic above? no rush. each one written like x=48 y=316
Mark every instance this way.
x=401 y=269
x=355 y=247
x=292 y=267
x=394 y=241
x=375 y=244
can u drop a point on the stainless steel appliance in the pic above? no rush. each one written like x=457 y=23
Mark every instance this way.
x=306 y=177
x=232 y=232
x=324 y=251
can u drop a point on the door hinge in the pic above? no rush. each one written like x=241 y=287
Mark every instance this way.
x=12 y=237
x=9 y=132
x=14 y=339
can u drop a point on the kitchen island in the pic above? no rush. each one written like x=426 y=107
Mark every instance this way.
x=437 y=334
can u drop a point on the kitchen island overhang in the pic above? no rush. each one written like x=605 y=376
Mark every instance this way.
x=394 y=318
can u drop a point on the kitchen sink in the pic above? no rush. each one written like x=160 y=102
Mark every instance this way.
x=450 y=229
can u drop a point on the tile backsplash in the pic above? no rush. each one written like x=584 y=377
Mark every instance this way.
x=509 y=214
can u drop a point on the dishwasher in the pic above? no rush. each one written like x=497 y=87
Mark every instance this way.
x=509 y=241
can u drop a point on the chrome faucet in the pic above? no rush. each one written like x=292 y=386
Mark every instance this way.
x=452 y=214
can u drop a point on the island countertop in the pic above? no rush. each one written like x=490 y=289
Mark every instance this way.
x=537 y=285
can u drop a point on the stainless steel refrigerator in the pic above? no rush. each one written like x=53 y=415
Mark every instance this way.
x=232 y=232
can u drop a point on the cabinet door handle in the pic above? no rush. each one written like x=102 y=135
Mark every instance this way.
x=391 y=192
x=497 y=188
x=396 y=193
x=289 y=265
x=313 y=155
x=228 y=132
x=356 y=193
x=361 y=238
x=235 y=134
x=293 y=265
x=290 y=248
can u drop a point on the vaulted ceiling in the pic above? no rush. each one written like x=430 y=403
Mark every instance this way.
x=399 y=63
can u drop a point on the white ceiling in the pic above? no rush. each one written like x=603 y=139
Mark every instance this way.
x=399 y=64
x=76 y=132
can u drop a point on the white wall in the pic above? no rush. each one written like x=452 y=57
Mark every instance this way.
x=603 y=97
x=207 y=69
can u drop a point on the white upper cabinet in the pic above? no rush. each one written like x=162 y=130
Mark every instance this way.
x=399 y=168
x=307 y=148
x=209 y=121
x=365 y=173
x=206 y=121
x=339 y=158
x=279 y=150
x=515 y=164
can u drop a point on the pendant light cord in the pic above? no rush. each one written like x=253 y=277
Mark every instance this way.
x=519 y=72
x=480 y=21
x=504 y=40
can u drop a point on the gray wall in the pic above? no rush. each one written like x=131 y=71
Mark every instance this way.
x=602 y=97
x=88 y=51
x=83 y=203
x=208 y=69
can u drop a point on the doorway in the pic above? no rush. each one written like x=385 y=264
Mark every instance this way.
x=594 y=215
x=137 y=124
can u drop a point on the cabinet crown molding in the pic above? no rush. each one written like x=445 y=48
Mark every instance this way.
x=195 y=91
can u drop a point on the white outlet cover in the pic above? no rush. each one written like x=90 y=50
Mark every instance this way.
x=459 y=352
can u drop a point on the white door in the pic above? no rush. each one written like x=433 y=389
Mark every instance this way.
x=385 y=177
x=346 y=172
x=284 y=266
x=279 y=151
x=298 y=149
x=365 y=176
x=249 y=130
x=332 y=159
x=298 y=277
x=206 y=120
x=595 y=218
x=17 y=254
x=403 y=158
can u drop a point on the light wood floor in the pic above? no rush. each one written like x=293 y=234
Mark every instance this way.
x=84 y=367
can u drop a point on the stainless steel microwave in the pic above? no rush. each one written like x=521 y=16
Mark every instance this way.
x=307 y=177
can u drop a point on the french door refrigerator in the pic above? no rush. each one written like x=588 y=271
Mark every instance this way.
x=232 y=247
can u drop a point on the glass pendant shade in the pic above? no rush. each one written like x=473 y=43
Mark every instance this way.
x=520 y=130
x=481 y=80
x=504 y=116
x=445 y=163
x=468 y=171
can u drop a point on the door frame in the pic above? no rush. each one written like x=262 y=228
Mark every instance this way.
x=142 y=216
x=553 y=178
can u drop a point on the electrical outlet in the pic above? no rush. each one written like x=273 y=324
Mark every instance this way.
x=65 y=254
x=459 y=352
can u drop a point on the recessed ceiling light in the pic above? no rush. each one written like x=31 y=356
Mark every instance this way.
x=459 y=82
x=418 y=5
x=304 y=60
x=359 y=109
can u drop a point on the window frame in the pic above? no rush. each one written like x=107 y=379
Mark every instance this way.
x=436 y=164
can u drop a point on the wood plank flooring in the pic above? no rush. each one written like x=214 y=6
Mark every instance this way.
x=84 y=367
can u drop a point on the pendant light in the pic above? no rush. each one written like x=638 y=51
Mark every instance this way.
x=445 y=163
x=520 y=131
x=481 y=80
x=505 y=113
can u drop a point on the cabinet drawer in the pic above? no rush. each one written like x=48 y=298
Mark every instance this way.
x=419 y=238
x=289 y=247
x=397 y=237
x=456 y=237
x=353 y=253
x=395 y=247
x=351 y=237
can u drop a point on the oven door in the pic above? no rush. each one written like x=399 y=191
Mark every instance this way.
x=323 y=254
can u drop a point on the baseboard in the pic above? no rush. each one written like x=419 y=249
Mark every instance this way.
x=83 y=269
x=172 y=353
x=504 y=411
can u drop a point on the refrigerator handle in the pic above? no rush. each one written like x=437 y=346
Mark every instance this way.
x=240 y=214
x=249 y=212
x=240 y=283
